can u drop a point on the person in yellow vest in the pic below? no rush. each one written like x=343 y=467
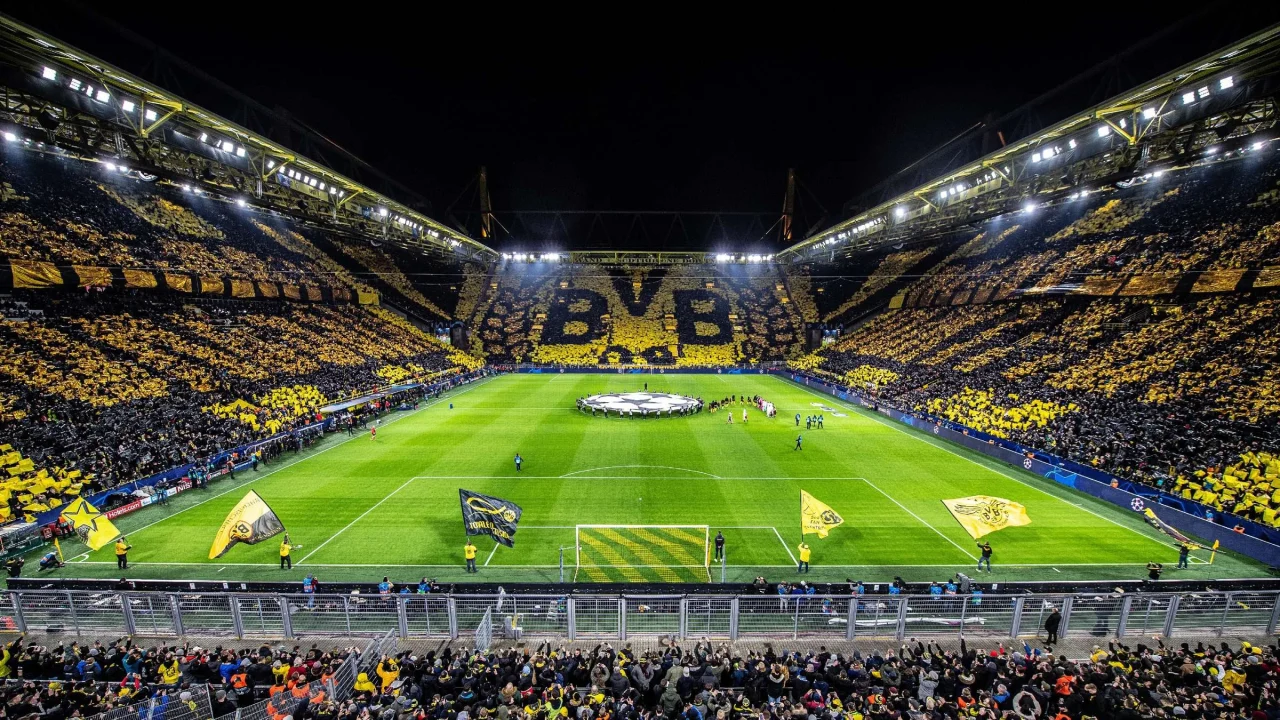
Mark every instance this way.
x=122 y=553
x=286 y=562
x=803 y=565
x=469 y=552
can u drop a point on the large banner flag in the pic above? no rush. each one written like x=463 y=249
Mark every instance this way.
x=816 y=516
x=250 y=522
x=982 y=514
x=1170 y=530
x=92 y=526
x=488 y=515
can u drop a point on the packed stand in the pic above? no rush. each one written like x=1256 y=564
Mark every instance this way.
x=107 y=387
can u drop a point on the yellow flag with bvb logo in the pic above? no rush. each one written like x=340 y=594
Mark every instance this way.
x=250 y=522
x=816 y=516
x=982 y=514
x=90 y=524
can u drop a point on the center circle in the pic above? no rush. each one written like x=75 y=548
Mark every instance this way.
x=641 y=404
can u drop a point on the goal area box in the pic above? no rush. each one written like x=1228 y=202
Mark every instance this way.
x=642 y=553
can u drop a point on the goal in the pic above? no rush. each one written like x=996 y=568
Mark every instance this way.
x=642 y=553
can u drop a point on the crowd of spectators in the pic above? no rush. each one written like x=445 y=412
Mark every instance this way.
x=920 y=681
x=121 y=384
x=687 y=316
x=1173 y=383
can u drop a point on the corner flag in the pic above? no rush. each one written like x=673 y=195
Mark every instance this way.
x=816 y=516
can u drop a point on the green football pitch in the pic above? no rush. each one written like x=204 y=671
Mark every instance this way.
x=363 y=508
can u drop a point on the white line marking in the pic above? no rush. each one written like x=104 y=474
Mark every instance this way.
x=784 y=546
x=917 y=517
x=615 y=477
x=890 y=422
x=491 y=552
x=455 y=565
x=308 y=457
x=358 y=519
x=660 y=467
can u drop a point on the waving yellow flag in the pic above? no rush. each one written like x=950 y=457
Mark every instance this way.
x=982 y=514
x=91 y=525
x=816 y=516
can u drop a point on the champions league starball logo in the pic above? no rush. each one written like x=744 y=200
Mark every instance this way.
x=640 y=403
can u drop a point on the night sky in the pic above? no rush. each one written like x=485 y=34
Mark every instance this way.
x=609 y=110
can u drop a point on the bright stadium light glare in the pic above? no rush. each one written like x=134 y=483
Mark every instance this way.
x=1124 y=123
x=1203 y=92
x=10 y=137
x=49 y=73
x=186 y=188
x=127 y=106
x=1071 y=144
x=755 y=258
x=1211 y=150
x=382 y=211
x=151 y=115
x=239 y=151
x=1035 y=157
x=1158 y=174
x=271 y=164
x=1226 y=83
x=204 y=137
x=723 y=257
x=333 y=190
x=111 y=167
x=102 y=96
x=228 y=146
x=1188 y=98
x=1149 y=113
x=1257 y=146
x=124 y=168
x=551 y=257
x=1028 y=207
x=1104 y=131
x=241 y=202
x=899 y=212
x=75 y=84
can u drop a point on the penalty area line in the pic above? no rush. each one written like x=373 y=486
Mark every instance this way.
x=894 y=500
x=358 y=519
x=794 y=561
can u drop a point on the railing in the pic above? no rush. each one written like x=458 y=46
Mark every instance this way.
x=620 y=616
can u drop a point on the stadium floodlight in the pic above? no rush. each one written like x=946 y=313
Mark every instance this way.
x=241 y=202
x=1104 y=131
x=1211 y=150
x=1029 y=207
x=1071 y=144
x=102 y=96
x=1257 y=146
x=1158 y=174
x=127 y=106
x=333 y=190
x=899 y=212
x=1035 y=157
x=239 y=151
x=75 y=84
x=1203 y=92
x=151 y=115
x=111 y=167
x=754 y=257
x=1188 y=98
x=382 y=211
x=1226 y=83
x=228 y=146
x=551 y=257
x=723 y=257
x=186 y=188
x=124 y=168
x=204 y=137
x=48 y=73
x=10 y=137
x=271 y=164
x=1148 y=113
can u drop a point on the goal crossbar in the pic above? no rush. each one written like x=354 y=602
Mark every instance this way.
x=627 y=551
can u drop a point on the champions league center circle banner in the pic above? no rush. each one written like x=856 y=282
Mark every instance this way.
x=640 y=403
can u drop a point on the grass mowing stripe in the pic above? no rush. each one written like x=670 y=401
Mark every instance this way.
x=889 y=422
x=303 y=459
x=917 y=517
x=387 y=497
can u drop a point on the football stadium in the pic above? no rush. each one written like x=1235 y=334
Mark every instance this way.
x=997 y=437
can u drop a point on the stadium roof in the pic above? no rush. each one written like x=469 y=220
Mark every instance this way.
x=142 y=114
x=1111 y=140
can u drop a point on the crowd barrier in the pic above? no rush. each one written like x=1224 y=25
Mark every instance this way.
x=1253 y=540
x=572 y=617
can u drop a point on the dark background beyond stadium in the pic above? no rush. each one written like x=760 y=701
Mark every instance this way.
x=607 y=110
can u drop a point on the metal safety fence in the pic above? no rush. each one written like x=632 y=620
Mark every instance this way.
x=509 y=616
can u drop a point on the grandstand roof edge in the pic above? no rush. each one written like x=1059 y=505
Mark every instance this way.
x=66 y=55
x=878 y=217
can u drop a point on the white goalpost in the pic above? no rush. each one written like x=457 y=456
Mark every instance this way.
x=639 y=553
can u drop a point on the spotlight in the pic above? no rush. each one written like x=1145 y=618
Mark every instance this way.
x=111 y=167
x=1104 y=131
x=49 y=73
x=186 y=188
x=1028 y=207
x=1226 y=83
x=1188 y=98
x=1211 y=150
x=899 y=212
x=103 y=96
x=241 y=202
x=1148 y=113
x=382 y=211
x=127 y=106
x=10 y=137
x=227 y=146
x=151 y=115
x=723 y=257
x=1257 y=146
x=1035 y=157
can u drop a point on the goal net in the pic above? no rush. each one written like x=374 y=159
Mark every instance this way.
x=642 y=553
